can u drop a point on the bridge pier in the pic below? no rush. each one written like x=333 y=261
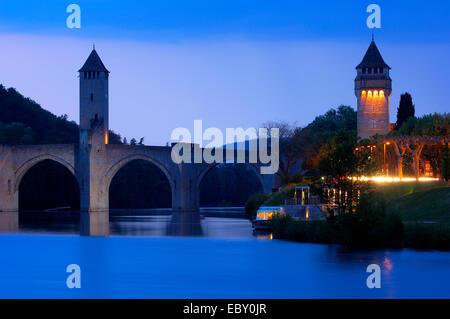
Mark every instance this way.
x=94 y=223
x=185 y=219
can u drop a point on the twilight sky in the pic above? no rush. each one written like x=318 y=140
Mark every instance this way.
x=233 y=63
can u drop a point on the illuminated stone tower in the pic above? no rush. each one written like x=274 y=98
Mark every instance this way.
x=373 y=88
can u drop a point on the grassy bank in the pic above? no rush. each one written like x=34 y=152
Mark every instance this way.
x=414 y=215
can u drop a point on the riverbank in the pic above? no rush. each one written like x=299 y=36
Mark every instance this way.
x=412 y=215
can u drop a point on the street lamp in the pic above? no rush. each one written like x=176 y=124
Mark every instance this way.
x=384 y=158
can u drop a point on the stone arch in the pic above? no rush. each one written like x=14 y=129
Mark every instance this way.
x=111 y=172
x=28 y=164
x=255 y=169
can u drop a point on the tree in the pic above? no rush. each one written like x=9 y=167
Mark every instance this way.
x=445 y=168
x=316 y=135
x=290 y=148
x=16 y=134
x=343 y=166
x=406 y=110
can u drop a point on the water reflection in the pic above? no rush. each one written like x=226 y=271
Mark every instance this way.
x=9 y=222
x=151 y=223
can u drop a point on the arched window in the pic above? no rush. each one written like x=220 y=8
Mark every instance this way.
x=92 y=97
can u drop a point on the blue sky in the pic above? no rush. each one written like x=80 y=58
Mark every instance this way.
x=229 y=63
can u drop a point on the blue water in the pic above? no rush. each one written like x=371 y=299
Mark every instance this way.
x=34 y=266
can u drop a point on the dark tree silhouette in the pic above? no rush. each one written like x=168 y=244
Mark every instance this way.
x=406 y=109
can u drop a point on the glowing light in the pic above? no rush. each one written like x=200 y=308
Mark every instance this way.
x=363 y=93
x=381 y=93
x=375 y=93
x=387 y=179
x=370 y=93
x=106 y=137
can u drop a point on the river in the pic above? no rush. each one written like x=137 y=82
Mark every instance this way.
x=139 y=260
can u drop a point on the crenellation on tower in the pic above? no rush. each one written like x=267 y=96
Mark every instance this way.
x=373 y=89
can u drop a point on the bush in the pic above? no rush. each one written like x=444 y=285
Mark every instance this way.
x=253 y=203
x=427 y=236
x=277 y=199
x=371 y=226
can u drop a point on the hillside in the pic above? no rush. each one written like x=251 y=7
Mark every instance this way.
x=424 y=205
x=23 y=121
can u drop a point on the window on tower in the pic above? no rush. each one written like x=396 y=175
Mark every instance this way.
x=364 y=71
x=92 y=97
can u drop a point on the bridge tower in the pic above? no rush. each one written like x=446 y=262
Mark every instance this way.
x=373 y=88
x=93 y=140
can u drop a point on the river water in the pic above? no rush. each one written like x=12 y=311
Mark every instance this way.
x=139 y=260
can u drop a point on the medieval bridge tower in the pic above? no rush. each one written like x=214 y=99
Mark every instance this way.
x=94 y=162
x=373 y=88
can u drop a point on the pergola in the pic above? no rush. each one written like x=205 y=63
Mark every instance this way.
x=413 y=144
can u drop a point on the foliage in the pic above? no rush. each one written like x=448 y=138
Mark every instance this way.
x=427 y=236
x=343 y=165
x=15 y=134
x=405 y=110
x=253 y=203
x=431 y=124
x=319 y=132
x=445 y=166
x=371 y=226
x=289 y=147
x=40 y=126
x=378 y=222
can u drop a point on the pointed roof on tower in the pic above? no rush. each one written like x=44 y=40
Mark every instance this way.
x=93 y=63
x=373 y=58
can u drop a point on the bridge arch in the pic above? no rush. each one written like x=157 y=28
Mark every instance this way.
x=112 y=171
x=209 y=167
x=28 y=164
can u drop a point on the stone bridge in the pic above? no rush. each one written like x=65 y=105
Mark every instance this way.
x=95 y=172
x=94 y=162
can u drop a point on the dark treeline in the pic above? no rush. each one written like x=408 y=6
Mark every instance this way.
x=137 y=185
